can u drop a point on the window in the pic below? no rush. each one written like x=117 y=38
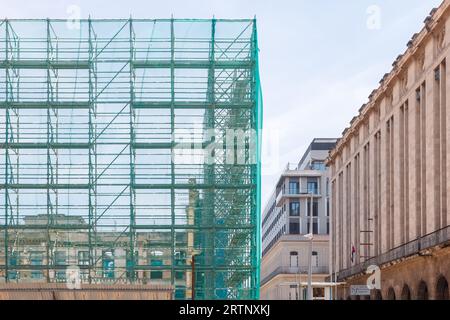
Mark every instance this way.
x=315 y=259
x=312 y=186
x=294 y=227
x=108 y=264
x=315 y=208
x=14 y=260
x=318 y=165
x=180 y=260
x=315 y=225
x=132 y=262
x=180 y=292
x=293 y=187
x=36 y=259
x=60 y=260
x=293 y=258
x=156 y=274
x=294 y=208
x=83 y=258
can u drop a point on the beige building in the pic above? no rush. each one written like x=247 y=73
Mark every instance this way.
x=390 y=176
x=286 y=221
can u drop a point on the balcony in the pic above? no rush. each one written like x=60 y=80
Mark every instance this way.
x=295 y=193
x=295 y=270
x=411 y=248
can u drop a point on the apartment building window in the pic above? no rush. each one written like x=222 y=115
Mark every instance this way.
x=312 y=186
x=294 y=227
x=156 y=260
x=131 y=263
x=294 y=208
x=293 y=258
x=61 y=261
x=14 y=260
x=180 y=260
x=315 y=208
x=36 y=259
x=328 y=207
x=318 y=165
x=108 y=264
x=294 y=187
x=156 y=274
x=180 y=292
x=315 y=259
x=83 y=258
x=315 y=226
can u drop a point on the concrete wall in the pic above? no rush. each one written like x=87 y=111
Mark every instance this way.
x=37 y=291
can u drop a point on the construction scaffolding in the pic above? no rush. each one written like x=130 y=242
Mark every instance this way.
x=113 y=135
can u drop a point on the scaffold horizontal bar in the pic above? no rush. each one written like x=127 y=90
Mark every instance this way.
x=24 y=145
x=44 y=64
x=194 y=227
x=46 y=226
x=194 y=186
x=191 y=105
x=45 y=105
x=43 y=186
x=193 y=64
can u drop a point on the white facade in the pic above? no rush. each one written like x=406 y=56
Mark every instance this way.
x=286 y=221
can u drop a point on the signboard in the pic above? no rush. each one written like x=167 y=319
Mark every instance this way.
x=359 y=290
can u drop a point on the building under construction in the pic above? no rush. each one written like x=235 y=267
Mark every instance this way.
x=116 y=158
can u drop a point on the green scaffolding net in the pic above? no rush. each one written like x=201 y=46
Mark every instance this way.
x=131 y=154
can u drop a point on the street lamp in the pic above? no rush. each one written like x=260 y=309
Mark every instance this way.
x=310 y=236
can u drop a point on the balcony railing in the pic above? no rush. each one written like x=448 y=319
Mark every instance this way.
x=297 y=192
x=408 y=249
x=295 y=270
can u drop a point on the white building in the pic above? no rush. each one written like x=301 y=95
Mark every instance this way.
x=286 y=221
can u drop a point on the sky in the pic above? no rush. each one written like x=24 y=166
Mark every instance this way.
x=319 y=59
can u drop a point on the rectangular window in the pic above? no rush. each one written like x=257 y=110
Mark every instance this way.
x=312 y=186
x=315 y=208
x=318 y=165
x=83 y=258
x=180 y=260
x=156 y=274
x=294 y=227
x=14 y=260
x=60 y=260
x=132 y=262
x=108 y=264
x=315 y=225
x=293 y=187
x=36 y=259
x=294 y=208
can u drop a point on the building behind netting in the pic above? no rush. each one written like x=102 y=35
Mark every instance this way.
x=113 y=157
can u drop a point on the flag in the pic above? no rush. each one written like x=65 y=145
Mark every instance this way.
x=352 y=257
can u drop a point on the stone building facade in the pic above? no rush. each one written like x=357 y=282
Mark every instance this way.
x=390 y=176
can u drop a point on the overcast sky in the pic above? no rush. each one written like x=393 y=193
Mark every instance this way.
x=319 y=59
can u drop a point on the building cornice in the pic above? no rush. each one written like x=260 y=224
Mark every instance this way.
x=414 y=47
